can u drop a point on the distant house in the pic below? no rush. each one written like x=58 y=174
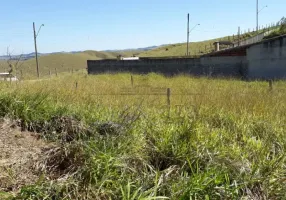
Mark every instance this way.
x=5 y=76
x=130 y=58
x=120 y=57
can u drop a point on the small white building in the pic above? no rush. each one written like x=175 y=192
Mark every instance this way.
x=130 y=58
x=5 y=76
x=127 y=58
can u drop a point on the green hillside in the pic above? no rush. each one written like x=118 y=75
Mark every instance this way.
x=195 y=48
x=108 y=55
x=201 y=47
x=60 y=62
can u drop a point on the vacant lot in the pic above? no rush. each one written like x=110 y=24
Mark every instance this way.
x=114 y=139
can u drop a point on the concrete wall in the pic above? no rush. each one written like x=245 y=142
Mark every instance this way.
x=267 y=60
x=213 y=66
x=224 y=66
x=165 y=66
x=264 y=60
x=253 y=39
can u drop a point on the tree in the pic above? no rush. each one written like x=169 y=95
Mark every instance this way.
x=282 y=24
x=12 y=71
x=283 y=20
x=14 y=63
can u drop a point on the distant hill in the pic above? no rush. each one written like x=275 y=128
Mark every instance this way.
x=136 y=49
x=61 y=61
x=23 y=56
x=33 y=55
x=129 y=52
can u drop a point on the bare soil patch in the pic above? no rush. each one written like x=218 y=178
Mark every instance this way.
x=19 y=152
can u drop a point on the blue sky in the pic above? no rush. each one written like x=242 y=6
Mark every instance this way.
x=72 y=25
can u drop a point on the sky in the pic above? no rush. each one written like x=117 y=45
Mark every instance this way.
x=76 y=25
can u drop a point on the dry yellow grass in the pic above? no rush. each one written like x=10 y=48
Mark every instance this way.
x=218 y=133
x=62 y=62
x=231 y=95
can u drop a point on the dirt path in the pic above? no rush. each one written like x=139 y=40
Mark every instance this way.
x=19 y=151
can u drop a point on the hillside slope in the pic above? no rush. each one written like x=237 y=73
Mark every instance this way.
x=60 y=62
x=195 y=48
x=202 y=47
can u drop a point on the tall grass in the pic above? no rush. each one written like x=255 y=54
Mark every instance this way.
x=278 y=32
x=221 y=139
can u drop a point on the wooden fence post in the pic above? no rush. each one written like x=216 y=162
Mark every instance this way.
x=132 y=81
x=270 y=84
x=56 y=71
x=169 y=100
x=50 y=73
x=76 y=84
x=169 y=97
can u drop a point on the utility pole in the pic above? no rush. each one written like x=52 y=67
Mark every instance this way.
x=188 y=34
x=36 y=51
x=238 y=36
x=257 y=12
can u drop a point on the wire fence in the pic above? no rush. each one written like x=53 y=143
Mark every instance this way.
x=242 y=38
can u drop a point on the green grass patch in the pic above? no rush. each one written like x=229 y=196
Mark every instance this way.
x=280 y=31
x=225 y=140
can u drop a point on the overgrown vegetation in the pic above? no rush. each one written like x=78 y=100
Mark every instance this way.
x=221 y=139
x=280 y=31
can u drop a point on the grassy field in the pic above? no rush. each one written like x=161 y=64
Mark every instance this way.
x=219 y=139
